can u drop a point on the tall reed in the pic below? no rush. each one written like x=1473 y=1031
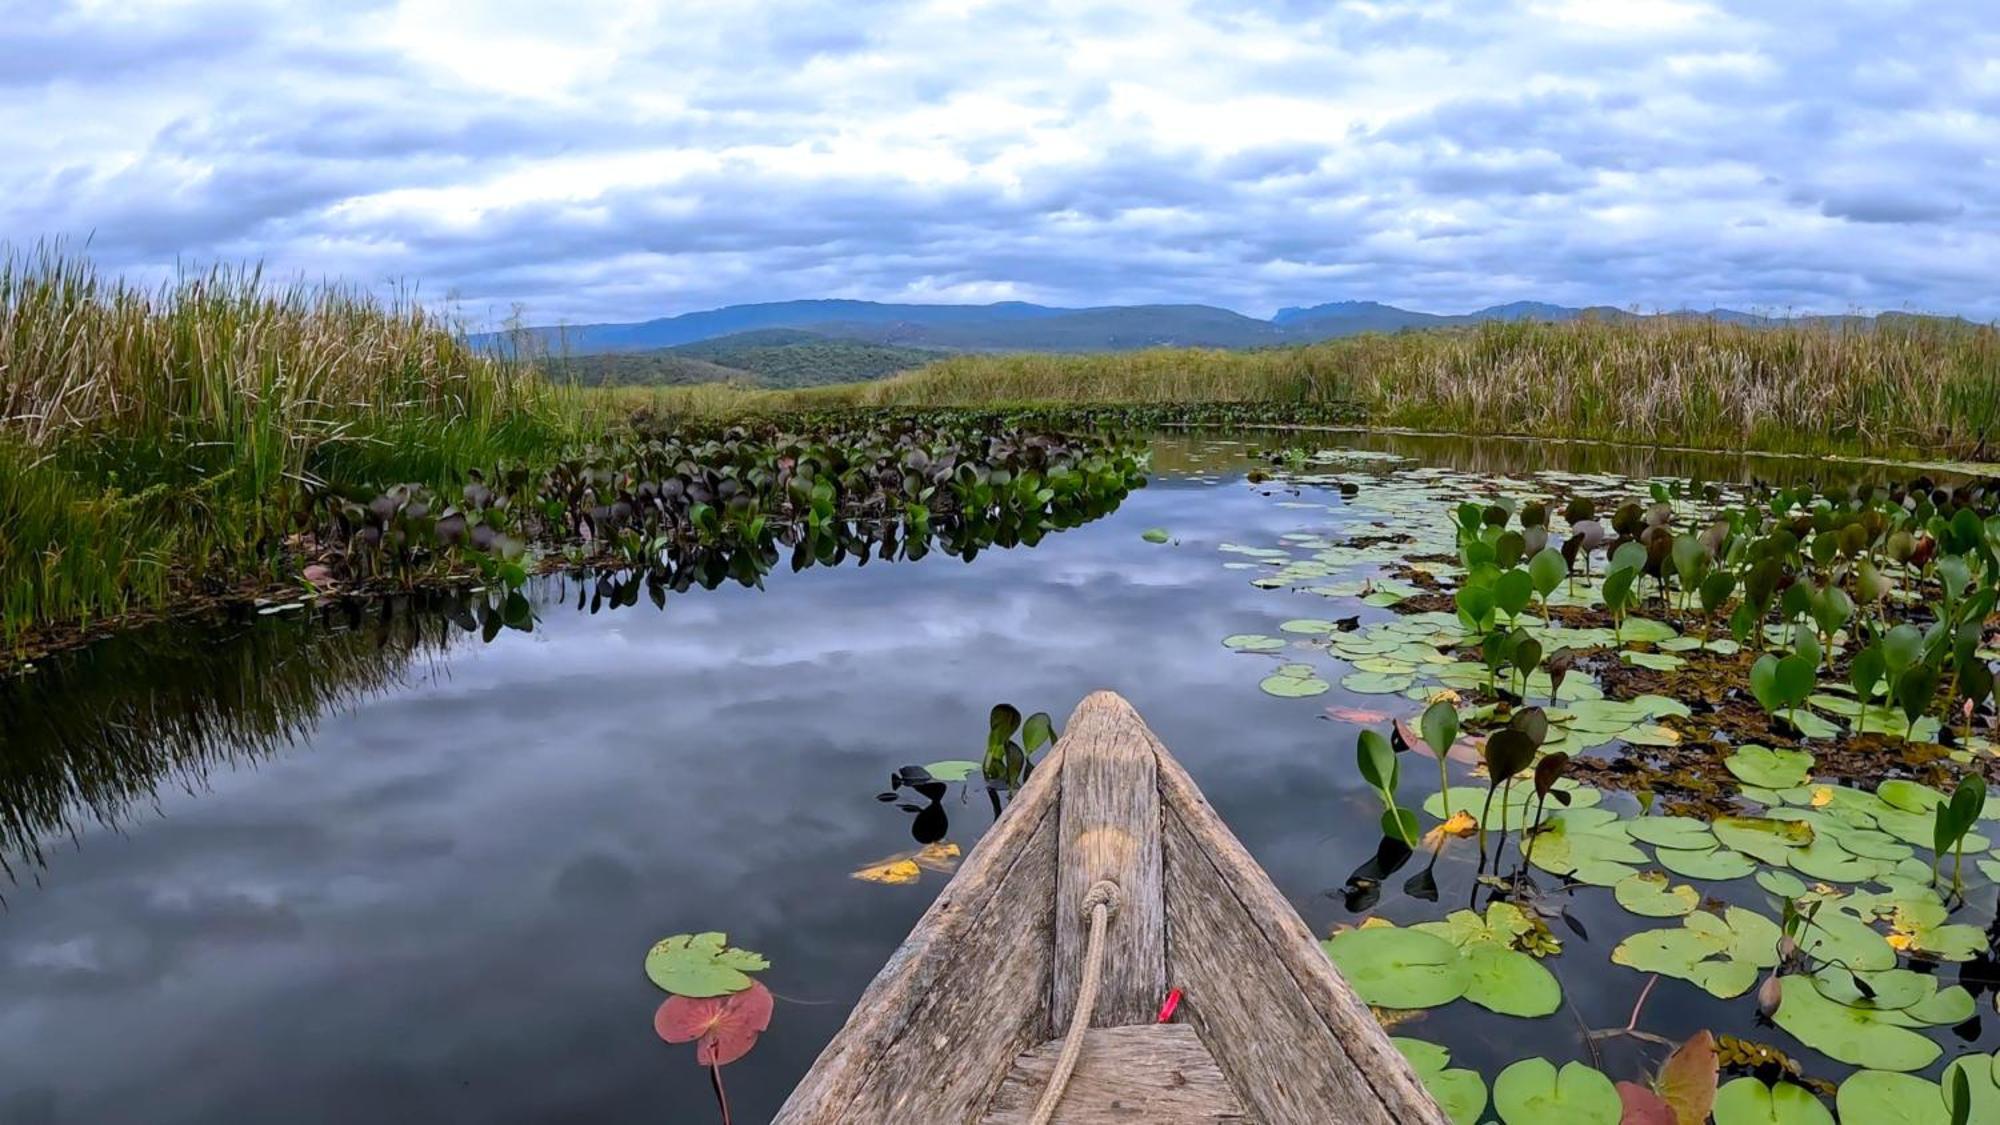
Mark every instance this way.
x=1900 y=384
x=150 y=438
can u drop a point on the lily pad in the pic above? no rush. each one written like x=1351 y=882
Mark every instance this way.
x=1684 y=832
x=1649 y=895
x=1460 y=1093
x=1393 y=967
x=1154 y=535
x=1509 y=981
x=1715 y=864
x=1294 y=681
x=1721 y=954
x=702 y=965
x=1891 y=1099
x=1253 y=642
x=1747 y=1101
x=1857 y=1036
x=1770 y=769
x=1763 y=838
x=958 y=770
x=1534 y=1092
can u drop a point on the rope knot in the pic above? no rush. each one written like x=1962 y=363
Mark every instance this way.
x=1103 y=893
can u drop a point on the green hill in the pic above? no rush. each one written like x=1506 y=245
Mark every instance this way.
x=777 y=357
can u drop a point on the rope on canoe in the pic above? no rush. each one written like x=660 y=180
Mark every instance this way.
x=1100 y=902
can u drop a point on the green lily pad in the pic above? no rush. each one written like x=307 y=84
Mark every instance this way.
x=1460 y=1093
x=1834 y=936
x=1784 y=884
x=701 y=965
x=1763 y=838
x=953 y=771
x=1891 y=1099
x=1154 y=535
x=1721 y=954
x=1811 y=726
x=1857 y=1036
x=1509 y=981
x=1747 y=1101
x=1294 y=681
x=1683 y=832
x=1649 y=895
x=1308 y=626
x=1253 y=642
x=1376 y=683
x=1982 y=1081
x=1769 y=769
x=1393 y=967
x=1534 y=1092
x=1910 y=796
x=1715 y=864
x=1827 y=861
x=1657 y=661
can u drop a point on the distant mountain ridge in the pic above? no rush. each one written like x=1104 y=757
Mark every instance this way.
x=1020 y=326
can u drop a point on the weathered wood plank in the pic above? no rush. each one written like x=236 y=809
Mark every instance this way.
x=1156 y=1073
x=1294 y=1040
x=1110 y=818
x=984 y=941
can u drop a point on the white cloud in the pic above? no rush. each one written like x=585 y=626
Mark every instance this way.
x=596 y=160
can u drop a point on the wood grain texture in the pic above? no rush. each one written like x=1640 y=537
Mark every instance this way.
x=917 y=1030
x=1156 y=1073
x=1295 y=1041
x=1110 y=829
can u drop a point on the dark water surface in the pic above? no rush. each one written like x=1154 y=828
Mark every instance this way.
x=309 y=872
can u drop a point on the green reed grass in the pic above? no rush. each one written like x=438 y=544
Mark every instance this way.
x=1901 y=385
x=151 y=439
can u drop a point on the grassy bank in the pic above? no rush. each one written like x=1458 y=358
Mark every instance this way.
x=155 y=443
x=1904 y=385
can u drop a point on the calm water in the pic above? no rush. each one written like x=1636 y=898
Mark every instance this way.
x=306 y=871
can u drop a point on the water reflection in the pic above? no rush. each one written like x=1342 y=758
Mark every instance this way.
x=96 y=733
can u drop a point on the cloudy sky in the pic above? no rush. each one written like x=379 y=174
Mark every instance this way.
x=615 y=161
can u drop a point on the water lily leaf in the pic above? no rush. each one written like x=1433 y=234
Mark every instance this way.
x=1715 y=865
x=722 y=1028
x=1534 y=1092
x=1857 y=1036
x=1910 y=796
x=956 y=770
x=1374 y=683
x=1891 y=1099
x=1684 y=832
x=1294 y=681
x=1826 y=860
x=1509 y=981
x=1392 y=967
x=1154 y=535
x=1720 y=954
x=1747 y=1101
x=1649 y=895
x=1834 y=936
x=1309 y=626
x=1657 y=661
x=1982 y=1083
x=1768 y=768
x=701 y=965
x=1460 y=1093
x=1784 y=884
x=1764 y=838
x=1253 y=642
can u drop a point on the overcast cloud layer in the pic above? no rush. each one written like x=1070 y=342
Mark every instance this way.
x=605 y=161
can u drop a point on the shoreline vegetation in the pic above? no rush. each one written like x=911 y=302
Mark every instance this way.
x=199 y=442
x=1902 y=385
x=157 y=445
